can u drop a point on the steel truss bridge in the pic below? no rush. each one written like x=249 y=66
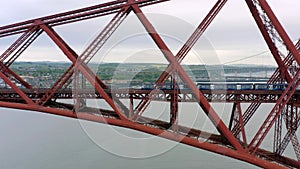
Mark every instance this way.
x=232 y=139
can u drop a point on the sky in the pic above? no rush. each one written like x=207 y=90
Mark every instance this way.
x=232 y=38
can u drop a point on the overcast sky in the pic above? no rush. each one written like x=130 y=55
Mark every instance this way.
x=232 y=36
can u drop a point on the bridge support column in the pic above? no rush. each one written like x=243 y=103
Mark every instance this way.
x=237 y=118
x=131 y=105
x=278 y=132
x=291 y=119
x=204 y=104
x=174 y=103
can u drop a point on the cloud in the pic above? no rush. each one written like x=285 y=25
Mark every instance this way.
x=233 y=29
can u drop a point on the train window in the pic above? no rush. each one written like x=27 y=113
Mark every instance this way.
x=279 y=86
x=220 y=86
x=232 y=86
x=261 y=86
x=204 y=86
x=247 y=86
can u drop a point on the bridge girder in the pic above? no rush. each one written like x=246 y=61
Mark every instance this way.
x=226 y=143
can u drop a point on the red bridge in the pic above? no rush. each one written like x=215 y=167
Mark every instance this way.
x=232 y=139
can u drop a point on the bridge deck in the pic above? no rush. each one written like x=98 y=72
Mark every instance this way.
x=185 y=95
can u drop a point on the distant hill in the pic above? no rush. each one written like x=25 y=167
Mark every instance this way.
x=139 y=72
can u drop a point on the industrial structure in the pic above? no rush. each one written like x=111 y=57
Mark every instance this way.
x=232 y=139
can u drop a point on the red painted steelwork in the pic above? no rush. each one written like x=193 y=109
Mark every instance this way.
x=155 y=131
x=268 y=38
x=84 y=69
x=276 y=111
x=225 y=143
x=88 y=54
x=74 y=16
x=275 y=78
x=281 y=73
x=182 y=53
x=286 y=39
x=216 y=120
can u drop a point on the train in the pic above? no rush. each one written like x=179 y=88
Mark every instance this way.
x=241 y=86
x=223 y=86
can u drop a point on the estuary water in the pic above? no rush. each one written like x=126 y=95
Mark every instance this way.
x=31 y=140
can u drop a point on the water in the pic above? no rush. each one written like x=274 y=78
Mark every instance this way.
x=40 y=141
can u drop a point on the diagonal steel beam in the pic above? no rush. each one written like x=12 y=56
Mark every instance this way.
x=290 y=132
x=30 y=40
x=9 y=72
x=208 y=109
x=30 y=36
x=273 y=115
x=280 y=73
x=18 y=43
x=296 y=145
x=181 y=54
x=75 y=15
x=71 y=54
x=15 y=87
x=87 y=55
x=264 y=129
x=268 y=38
x=285 y=38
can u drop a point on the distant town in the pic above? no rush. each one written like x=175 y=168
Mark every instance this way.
x=45 y=74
